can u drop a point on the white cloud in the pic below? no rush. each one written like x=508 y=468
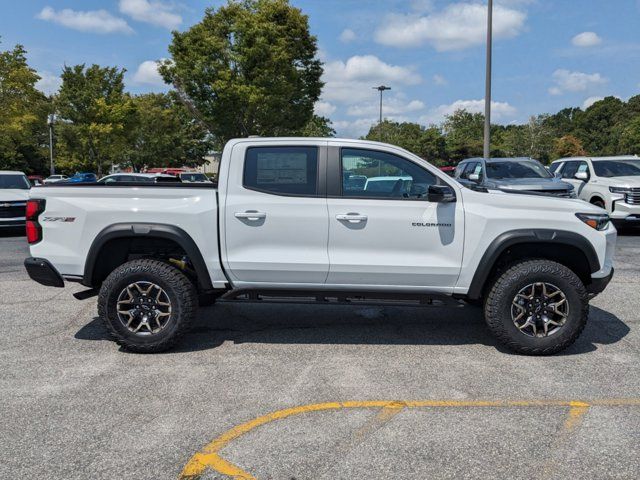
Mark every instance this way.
x=439 y=80
x=457 y=26
x=499 y=110
x=392 y=106
x=590 y=101
x=95 y=21
x=566 y=81
x=49 y=83
x=153 y=12
x=347 y=36
x=324 y=109
x=147 y=74
x=586 y=39
x=355 y=128
x=352 y=81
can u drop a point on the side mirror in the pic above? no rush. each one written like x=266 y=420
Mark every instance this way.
x=441 y=194
x=557 y=174
x=474 y=177
x=417 y=191
x=584 y=176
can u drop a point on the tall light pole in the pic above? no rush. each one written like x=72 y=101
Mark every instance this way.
x=51 y=118
x=381 y=89
x=487 y=94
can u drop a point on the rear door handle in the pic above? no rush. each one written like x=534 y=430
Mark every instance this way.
x=351 y=217
x=249 y=215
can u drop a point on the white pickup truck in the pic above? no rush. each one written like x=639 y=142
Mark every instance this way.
x=291 y=219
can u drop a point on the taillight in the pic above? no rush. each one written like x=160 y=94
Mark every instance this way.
x=34 y=230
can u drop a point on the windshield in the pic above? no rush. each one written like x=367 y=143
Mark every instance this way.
x=511 y=169
x=617 y=168
x=193 y=177
x=18 y=182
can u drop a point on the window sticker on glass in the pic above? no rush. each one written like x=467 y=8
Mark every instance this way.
x=282 y=169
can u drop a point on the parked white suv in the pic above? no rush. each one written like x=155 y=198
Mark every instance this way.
x=612 y=183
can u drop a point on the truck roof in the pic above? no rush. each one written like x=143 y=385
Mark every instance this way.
x=611 y=157
x=309 y=139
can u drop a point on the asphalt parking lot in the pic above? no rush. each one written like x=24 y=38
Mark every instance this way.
x=300 y=392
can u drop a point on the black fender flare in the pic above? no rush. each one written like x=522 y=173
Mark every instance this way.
x=536 y=235
x=149 y=230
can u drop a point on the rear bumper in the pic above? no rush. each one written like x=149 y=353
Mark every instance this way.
x=41 y=271
x=12 y=222
x=598 y=285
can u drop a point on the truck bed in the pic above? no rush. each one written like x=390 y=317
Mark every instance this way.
x=77 y=212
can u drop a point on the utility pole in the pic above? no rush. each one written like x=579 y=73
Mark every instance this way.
x=487 y=94
x=381 y=89
x=50 y=121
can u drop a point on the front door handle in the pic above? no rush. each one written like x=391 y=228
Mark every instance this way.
x=251 y=215
x=351 y=217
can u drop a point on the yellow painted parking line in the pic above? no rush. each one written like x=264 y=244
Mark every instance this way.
x=209 y=457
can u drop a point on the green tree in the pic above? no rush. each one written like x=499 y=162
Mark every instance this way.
x=23 y=113
x=248 y=68
x=161 y=133
x=93 y=102
x=427 y=143
x=567 y=146
x=597 y=126
x=317 y=127
x=534 y=139
x=464 y=132
x=630 y=137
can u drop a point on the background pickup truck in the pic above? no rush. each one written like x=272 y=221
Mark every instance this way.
x=292 y=219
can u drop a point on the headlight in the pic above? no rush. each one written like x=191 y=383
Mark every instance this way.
x=599 y=221
x=619 y=189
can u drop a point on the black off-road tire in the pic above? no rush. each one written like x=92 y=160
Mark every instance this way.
x=497 y=308
x=179 y=289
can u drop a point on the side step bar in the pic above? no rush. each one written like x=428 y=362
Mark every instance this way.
x=328 y=297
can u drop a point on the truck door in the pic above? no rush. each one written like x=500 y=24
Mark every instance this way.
x=384 y=233
x=275 y=214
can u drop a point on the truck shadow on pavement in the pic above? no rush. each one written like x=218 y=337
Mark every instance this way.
x=357 y=325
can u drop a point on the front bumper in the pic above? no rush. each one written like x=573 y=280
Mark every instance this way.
x=598 y=285
x=41 y=271
x=624 y=211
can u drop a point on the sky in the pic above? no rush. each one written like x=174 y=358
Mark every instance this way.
x=548 y=54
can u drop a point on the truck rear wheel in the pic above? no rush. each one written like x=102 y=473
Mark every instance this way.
x=537 y=307
x=147 y=305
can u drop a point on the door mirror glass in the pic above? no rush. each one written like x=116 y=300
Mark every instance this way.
x=441 y=194
x=474 y=177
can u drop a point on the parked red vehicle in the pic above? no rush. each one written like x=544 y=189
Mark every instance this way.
x=36 y=179
x=448 y=170
x=167 y=171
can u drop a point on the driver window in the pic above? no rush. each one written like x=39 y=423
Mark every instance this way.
x=583 y=167
x=374 y=174
x=569 y=170
x=469 y=169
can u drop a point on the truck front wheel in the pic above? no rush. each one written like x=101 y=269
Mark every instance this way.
x=147 y=305
x=537 y=307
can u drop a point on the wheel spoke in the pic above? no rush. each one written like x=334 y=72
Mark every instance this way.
x=544 y=306
x=141 y=305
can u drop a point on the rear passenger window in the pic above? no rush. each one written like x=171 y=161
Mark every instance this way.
x=282 y=170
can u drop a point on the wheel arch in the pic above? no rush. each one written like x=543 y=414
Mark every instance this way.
x=119 y=236
x=567 y=248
